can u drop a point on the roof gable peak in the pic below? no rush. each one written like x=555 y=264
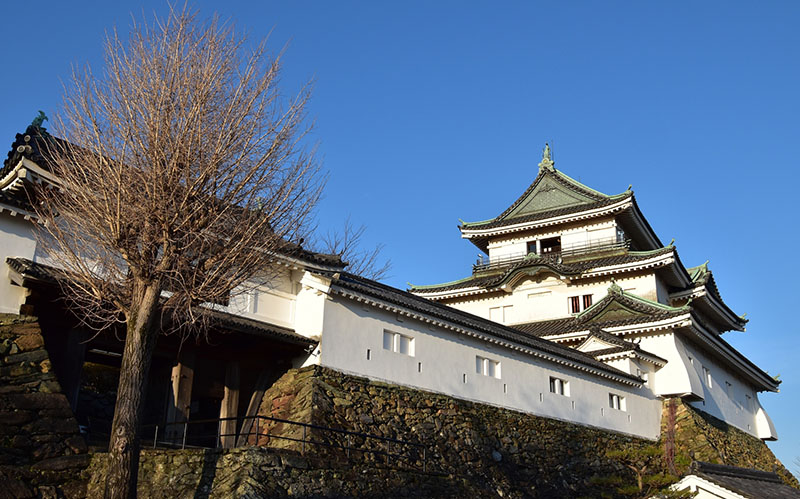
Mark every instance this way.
x=619 y=305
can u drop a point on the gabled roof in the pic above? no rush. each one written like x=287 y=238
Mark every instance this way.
x=552 y=196
x=31 y=145
x=551 y=193
x=619 y=305
x=745 y=482
x=704 y=289
x=615 y=347
x=533 y=264
x=616 y=309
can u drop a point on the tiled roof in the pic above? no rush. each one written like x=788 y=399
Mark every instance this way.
x=745 y=481
x=350 y=282
x=48 y=274
x=37 y=271
x=297 y=251
x=32 y=149
x=703 y=276
x=620 y=345
x=565 y=269
x=592 y=199
x=497 y=222
x=648 y=311
x=255 y=327
x=18 y=201
x=571 y=324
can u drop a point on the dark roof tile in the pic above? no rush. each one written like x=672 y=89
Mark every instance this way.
x=395 y=296
x=745 y=481
x=561 y=268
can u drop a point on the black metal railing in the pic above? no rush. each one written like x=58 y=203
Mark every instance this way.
x=596 y=246
x=555 y=253
x=177 y=435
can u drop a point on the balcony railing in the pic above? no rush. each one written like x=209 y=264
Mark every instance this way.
x=595 y=246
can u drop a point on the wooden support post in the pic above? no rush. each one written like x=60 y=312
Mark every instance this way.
x=71 y=380
x=181 y=396
x=230 y=405
x=248 y=435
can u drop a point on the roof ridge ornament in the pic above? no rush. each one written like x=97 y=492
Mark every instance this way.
x=547 y=161
x=39 y=120
x=614 y=288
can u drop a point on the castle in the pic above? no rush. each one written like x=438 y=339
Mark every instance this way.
x=579 y=313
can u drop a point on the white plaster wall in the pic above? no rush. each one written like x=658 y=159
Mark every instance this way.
x=683 y=375
x=17 y=240
x=705 y=489
x=570 y=235
x=674 y=379
x=546 y=297
x=604 y=231
x=442 y=359
x=271 y=299
x=732 y=408
x=311 y=305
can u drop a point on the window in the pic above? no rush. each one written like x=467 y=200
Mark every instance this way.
x=487 y=367
x=616 y=402
x=532 y=247
x=500 y=314
x=559 y=386
x=399 y=343
x=579 y=303
x=729 y=390
x=749 y=403
x=707 y=377
x=551 y=245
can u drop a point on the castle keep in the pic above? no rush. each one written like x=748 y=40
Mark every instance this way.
x=578 y=313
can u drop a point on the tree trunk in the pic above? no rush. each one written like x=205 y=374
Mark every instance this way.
x=123 y=449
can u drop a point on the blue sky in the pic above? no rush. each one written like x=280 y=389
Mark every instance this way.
x=430 y=112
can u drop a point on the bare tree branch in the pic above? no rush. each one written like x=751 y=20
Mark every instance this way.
x=347 y=243
x=182 y=175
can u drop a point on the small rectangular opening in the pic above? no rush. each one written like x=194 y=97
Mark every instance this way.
x=419 y=367
x=464 y=378
x=573 y=405
x=551 y=245
x=505 y=388
x=369 y=354
x=541 y=397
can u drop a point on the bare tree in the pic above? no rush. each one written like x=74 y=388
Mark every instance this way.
x=347 y=244
x=182 y=174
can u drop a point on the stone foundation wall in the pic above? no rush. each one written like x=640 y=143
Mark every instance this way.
x=518 y=454
x=712 y=440
x=260 y=472
x=502 y=451
x=40 y=445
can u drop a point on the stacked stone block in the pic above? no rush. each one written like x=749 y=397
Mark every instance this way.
x=41 y=449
